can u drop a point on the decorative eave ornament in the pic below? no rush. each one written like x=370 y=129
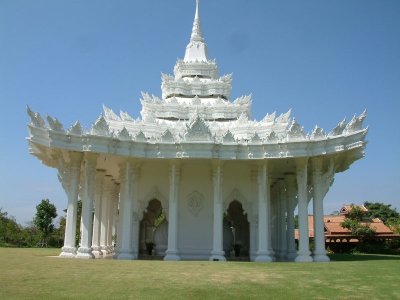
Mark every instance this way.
x=100 y=127
x=198 y=131
x=36 y=119
x=76 y=129
x=54 y=124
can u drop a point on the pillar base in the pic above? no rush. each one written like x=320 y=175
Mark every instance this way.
x=291 y=256
x=104 y=251
x=263 y=257
x=110 y=250
x=321 y=258
x=68 y=252
x=85 y=253
x=303 y=258
x=172 y=255
x=282 y=256
x=97 y=252
x=217 y=256
x=125 y=255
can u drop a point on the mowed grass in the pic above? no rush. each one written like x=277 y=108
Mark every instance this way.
x=34 y=274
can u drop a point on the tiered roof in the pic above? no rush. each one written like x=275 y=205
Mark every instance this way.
x=195 y=113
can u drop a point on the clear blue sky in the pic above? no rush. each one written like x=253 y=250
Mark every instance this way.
x=324 y=59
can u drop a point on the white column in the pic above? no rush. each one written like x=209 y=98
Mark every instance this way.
x=273 y=219
x=106 y=206
x=97 y=213
x=117 y=220
x=111 y=217
x=217 y=253
x=318 y=210
x=72 y=189
x=136 y=208
x=290 y=207
x=282 y=222
x=116 y=211
x=89 y=189
x=124 y=238
x=303 y=255
x=172 y=251
x=264 y=235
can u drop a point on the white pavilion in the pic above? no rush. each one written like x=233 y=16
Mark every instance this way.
x=194 y=174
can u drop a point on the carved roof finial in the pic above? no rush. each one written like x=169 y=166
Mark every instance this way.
x=196 y=50
x=197 y=35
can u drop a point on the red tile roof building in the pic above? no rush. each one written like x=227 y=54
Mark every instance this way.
x=334 y=232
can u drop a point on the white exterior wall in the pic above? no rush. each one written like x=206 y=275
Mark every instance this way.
x=195 y=223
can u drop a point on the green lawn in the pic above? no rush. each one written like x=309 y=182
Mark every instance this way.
x=32 y=274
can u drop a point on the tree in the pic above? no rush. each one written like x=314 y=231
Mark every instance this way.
x=45 y=213
x=382 y=211
x=358 y=230
x=353 y=223
x=356 y=213
x=9 y=230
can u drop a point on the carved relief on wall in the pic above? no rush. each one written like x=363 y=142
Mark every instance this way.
x=195 y=202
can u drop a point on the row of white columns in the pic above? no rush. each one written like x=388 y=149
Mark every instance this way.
x=100 y=190
x=287 y=193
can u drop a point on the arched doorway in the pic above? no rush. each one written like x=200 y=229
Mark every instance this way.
x=153 y=238
x=236 y=232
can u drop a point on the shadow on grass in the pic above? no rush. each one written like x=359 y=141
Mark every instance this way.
x=362 y=257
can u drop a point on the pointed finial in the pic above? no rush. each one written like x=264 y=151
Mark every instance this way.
x=197 y=35
x=197 y=10
x=196 y=50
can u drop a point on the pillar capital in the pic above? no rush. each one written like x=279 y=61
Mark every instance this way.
x=91 y=158
x=174 y=169
x=75 y=158
x=317 y=164
x=301 y=163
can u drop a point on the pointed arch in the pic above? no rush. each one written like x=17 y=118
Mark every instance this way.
x=154 y=193
x=238 y=196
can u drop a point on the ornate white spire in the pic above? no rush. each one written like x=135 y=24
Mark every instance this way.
x=196 y=50
x=197 y=34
